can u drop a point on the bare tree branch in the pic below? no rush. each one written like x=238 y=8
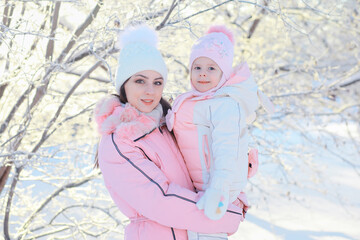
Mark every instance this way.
x=14 y=109
x=2 y=89
x=350 y=83
x=179 y=62
x=83 y=54
x=55 y=17
x=69 y=118
x=6 y=17
x=299 y=94
x=99 y=79
x=218 y=5
x=16 y=27
x=68 y=95
x=155 y=15
x=162 y=24
x=7 y=64
x=39 y=94
x=4 y=174
x=9 y=201
x=80 y=30
x=20 y=132
x=353 y=140
x=256 y=21
x=200 y=12
x=36 y=40
x=49 y=233
x=351 y=164
x=52 y=196
x=9 y=18
x=77 y=206
x=41 y=90
x=42 y=27
x=340 y=111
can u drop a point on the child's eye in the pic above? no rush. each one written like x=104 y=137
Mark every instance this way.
x=197 y=68
x=140 y=81
x=211 y=68
x=158 y=83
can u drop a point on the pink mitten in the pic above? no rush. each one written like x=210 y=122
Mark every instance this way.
x=253 y=162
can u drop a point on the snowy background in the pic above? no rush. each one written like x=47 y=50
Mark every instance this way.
x=57 y=58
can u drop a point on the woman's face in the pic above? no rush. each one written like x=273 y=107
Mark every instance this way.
x=144 y=90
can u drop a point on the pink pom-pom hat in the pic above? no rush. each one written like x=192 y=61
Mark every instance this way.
x=218 y=45
x=222 y=29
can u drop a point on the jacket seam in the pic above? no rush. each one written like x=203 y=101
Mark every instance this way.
x=173 y=233
x=211 y=117
x=153 y=181
x=239 y=122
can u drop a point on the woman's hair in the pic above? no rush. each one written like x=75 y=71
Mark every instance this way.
x=123 y=99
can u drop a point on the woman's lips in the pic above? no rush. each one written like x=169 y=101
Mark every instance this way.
x=147 y=101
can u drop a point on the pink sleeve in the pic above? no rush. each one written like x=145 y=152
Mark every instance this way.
x=140 y=183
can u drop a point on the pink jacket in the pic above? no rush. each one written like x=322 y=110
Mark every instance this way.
x=145 y=175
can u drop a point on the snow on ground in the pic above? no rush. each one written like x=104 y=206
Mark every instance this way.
x=324 y=205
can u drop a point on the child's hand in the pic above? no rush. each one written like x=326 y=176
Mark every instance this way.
x=214 y=203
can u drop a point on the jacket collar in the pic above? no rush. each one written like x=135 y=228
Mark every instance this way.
x=124 y=120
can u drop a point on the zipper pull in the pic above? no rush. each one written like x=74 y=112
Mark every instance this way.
x=160 y=130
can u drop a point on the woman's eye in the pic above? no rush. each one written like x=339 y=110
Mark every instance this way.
x=139 y=81
x=158 y=83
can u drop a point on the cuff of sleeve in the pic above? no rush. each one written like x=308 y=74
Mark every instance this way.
x=220 y=184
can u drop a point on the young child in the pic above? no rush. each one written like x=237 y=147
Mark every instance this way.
x=210 y=124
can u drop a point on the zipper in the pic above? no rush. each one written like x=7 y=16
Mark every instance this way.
x=160 y=130
x=144 y=135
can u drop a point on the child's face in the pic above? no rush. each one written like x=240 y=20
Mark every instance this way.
x=205 y=74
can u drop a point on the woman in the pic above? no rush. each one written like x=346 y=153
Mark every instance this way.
x=142 y=167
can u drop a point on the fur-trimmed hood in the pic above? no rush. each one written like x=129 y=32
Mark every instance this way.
x=123 y=119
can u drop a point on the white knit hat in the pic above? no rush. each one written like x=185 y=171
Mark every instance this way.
x=138 y=53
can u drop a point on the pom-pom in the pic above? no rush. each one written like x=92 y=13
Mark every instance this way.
x=139 y=33
x=222 y=29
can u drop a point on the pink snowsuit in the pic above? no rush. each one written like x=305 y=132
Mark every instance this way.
x=146 y=177
x=211 y=131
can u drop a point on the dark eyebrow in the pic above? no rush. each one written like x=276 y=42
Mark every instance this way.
x=148 y=78
x=142 y=76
